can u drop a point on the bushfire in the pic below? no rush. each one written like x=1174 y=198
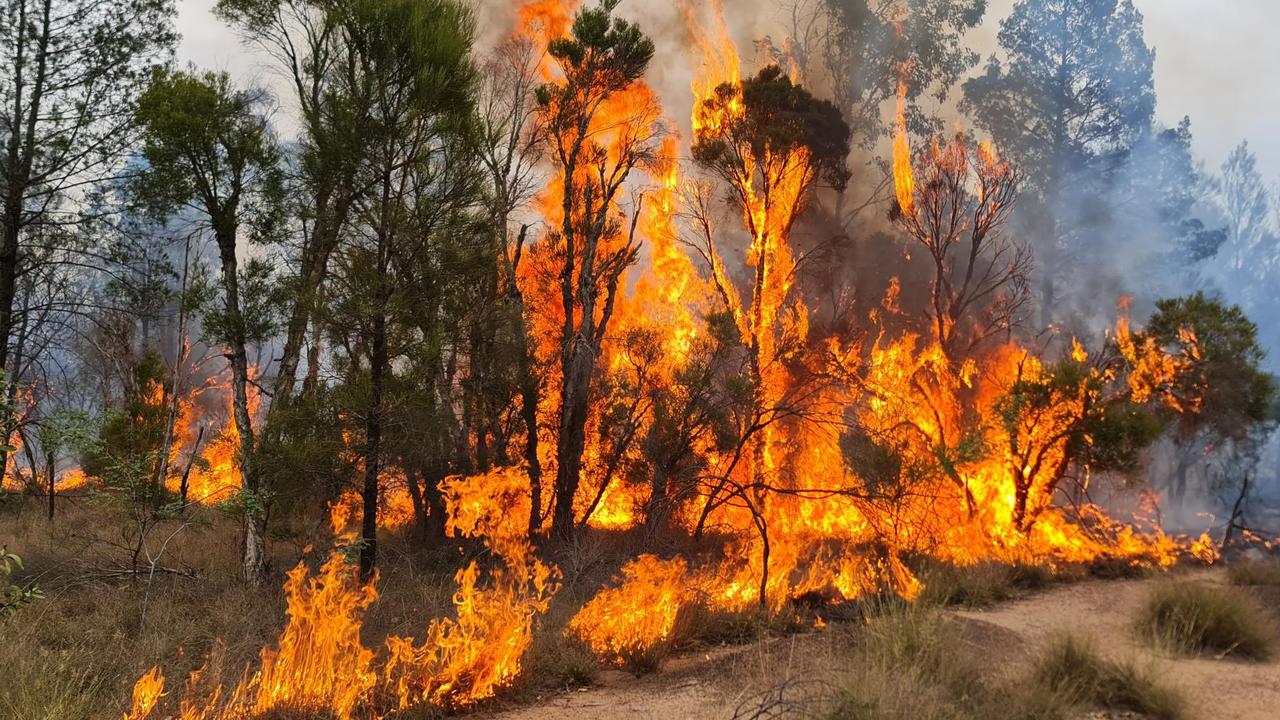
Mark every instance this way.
x=847 y=458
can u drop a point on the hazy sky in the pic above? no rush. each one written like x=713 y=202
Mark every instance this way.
x=1216 y=60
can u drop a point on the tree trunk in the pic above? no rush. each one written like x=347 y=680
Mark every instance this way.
x=8 y=293
x=315 y=263
x=51 y=465
x=254 y=556
x=573 y=435
x=656 y=512
x=373 y=443
x=529 y=397
x=1178 y=493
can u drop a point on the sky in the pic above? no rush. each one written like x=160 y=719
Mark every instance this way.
x=1216 y=61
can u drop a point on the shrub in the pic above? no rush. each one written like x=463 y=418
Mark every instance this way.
x=1072 y=667
x=1255 y=573
x=1197 y=618
x=976 y=586
x=559 y=661
x=915 y=663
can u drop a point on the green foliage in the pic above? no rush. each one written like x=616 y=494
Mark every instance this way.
x=1076 y=83
x=207 y=144
x=1119 y=435
x=1195 y=618
x=425 y=44
x=262 y=296
x=129 y=437
x=1099 y=424
x=779 y=118
x=599 y=40
x=1234 y=393
x=865 y=58
x=12 y=597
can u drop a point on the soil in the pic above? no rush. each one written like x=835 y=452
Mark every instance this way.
x=716 y=683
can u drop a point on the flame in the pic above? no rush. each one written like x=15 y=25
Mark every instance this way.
x=146 y=693
x=467 y=658
x=904 y=183
x=320 y=664
x=640 y=613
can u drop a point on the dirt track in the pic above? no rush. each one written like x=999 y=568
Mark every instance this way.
x=711 y=685
x=1104 y=610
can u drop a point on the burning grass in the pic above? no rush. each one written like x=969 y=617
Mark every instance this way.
x=1199 y=618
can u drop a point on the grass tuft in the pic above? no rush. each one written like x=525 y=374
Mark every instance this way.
x=1195 y=618
x=556 y=660
x=1070 y=666
x=1255 y=573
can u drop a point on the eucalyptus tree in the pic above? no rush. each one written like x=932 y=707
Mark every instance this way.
x=317 y=45
x=211 y=152
x=602 y=57
x=419 y=184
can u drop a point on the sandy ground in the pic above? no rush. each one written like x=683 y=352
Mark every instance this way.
x=1104 y=610
x=712 y=684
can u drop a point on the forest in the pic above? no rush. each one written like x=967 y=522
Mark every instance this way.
x=705 y=358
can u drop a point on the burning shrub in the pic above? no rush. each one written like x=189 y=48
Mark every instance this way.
x=1195 y=618
x=625 y=624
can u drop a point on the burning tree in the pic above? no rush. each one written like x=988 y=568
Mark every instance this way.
x=600 y=124
x=770 y=142
x=955 y=204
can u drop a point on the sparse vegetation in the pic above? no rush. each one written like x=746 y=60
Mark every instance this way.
x=914 y=663
x=1199 y=618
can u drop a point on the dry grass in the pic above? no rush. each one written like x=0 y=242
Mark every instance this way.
x=912 y=662
x=986 y=583
x=1255 y=572
x=1197 y=618
x=1071 y=667
x=77 y=653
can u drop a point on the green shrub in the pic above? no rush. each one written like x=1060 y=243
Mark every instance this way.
x=1073 y=668
x=1196 y=618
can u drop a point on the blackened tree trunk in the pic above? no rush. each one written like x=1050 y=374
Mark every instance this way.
x=373 y=445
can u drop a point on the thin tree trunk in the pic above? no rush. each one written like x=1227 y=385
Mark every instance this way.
x=254 y=556
x=175 y=391
x=373 y=446
x=51 y=465
x=572 y=440
x=186 y=472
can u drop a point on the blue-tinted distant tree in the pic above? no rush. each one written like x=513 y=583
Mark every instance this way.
x=1069 y=95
